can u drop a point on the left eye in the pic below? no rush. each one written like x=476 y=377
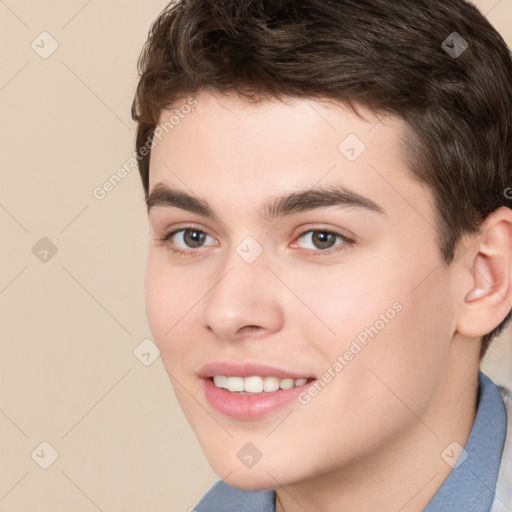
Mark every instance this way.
x=323 y=239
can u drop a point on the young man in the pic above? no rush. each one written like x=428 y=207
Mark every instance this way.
x=330 y=254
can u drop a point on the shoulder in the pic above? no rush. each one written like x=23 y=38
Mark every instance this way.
x=222 y=497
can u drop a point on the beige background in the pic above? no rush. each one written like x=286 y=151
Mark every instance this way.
x=68 y=373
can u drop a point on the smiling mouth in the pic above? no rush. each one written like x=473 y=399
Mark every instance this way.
x=253 y=396
x=256 y=384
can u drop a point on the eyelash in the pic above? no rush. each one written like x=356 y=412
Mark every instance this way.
x=165 y=241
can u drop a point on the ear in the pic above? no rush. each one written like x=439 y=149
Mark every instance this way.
x=488 y=294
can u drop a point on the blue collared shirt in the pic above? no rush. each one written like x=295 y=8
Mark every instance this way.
x=470 y=486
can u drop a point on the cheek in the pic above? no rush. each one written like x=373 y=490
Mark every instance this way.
x=341 y=303
x=406 y=360
x=159 y=302
x=393 y=320
x=169 y=303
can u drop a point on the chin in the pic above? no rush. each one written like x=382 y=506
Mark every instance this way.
x=262 y=476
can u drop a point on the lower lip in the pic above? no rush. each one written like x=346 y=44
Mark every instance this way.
x=249 y=406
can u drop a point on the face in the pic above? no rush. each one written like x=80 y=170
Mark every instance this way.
x=338 y=291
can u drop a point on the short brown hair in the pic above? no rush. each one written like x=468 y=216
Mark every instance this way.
x=437 y=64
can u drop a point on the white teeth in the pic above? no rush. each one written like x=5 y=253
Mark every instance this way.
x=270 y=384
x=286 y=383
x=255 y=384
x=235 y=384
x=220 y=381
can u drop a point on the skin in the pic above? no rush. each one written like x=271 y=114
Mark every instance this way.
x=381 y=423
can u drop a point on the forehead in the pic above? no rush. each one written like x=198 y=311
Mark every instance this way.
x=226 y=144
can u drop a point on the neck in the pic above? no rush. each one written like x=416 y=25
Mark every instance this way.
x=406 y=473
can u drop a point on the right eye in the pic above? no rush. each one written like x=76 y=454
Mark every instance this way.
x=190 y=237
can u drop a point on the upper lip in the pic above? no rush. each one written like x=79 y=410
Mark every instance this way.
x=248 y=369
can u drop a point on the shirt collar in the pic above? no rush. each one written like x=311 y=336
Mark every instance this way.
x=472 y=482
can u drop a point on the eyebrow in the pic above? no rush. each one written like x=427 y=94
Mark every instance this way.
x=276 y=207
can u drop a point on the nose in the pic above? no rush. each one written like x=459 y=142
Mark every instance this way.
x=244 y=301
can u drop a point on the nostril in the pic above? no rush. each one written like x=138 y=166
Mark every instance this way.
x=248 y=328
